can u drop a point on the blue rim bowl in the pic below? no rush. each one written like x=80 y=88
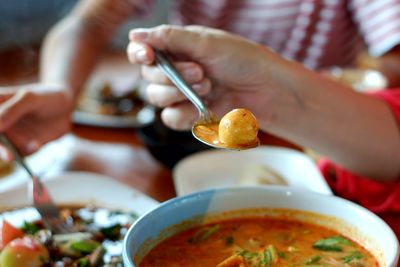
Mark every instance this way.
x=193 y=209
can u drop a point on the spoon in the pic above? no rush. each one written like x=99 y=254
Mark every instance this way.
x=206 y=128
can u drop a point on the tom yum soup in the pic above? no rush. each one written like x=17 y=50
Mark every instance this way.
x=259 y=242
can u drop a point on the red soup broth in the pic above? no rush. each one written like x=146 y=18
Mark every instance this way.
x=261 y=241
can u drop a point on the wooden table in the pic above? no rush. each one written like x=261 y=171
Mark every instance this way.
x=119 y=153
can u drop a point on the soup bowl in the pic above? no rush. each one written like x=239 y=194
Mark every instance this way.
x=340 y=215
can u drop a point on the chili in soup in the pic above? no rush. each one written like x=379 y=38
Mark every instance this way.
x=258 y=242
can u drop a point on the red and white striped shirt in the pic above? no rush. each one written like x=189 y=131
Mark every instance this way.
x=318 y=33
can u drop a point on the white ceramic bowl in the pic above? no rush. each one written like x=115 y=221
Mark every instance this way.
x=221 y=168
x=350 y=219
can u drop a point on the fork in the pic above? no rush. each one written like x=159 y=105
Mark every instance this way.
x=40 y=195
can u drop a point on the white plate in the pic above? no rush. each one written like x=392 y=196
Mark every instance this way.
x=122 y=77
x=83 y=188
x=145 y=116
x=223 y=168
x=43 y=162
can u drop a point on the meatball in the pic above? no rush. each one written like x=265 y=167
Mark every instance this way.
x=238 y=128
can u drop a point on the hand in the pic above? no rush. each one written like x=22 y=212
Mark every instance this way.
x=32 y=115
x=234 y=69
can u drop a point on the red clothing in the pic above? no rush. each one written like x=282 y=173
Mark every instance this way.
x=377 y=196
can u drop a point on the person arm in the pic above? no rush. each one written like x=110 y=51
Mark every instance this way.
x=357 y=131
x=34 y=114
x=73 y=46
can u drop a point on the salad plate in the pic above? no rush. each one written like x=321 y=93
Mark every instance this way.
x=83 y=188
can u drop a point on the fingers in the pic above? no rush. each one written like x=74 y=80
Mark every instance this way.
x=161 y=92
x=187 y=40
x=190 y=72
x=165 y=95
x=27 y=115
x=30 y=135
x=180 y=117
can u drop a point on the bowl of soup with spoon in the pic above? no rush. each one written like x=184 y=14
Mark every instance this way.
x=260 y=226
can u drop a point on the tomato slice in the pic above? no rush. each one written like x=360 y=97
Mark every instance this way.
x=9 y=233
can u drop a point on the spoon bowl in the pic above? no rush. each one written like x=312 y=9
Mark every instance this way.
x=206 y=128
x=209 y=133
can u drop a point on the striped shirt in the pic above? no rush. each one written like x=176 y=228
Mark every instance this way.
x=318 y=33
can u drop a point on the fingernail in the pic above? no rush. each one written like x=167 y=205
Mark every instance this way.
x=6 y=155
x=141 y=56
x=197 y=86
x=138 y=35
x=32 y=146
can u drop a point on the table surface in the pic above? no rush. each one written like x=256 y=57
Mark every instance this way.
x=118 y=152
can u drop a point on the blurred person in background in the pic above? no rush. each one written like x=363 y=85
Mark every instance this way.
x=319 y=34
x=23 y=25
x=359 y=132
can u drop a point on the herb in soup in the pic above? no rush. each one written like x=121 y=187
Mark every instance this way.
x=259 y=242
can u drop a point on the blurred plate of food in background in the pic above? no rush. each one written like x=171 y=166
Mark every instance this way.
x=262 y=166
x=112 y=97
x=109 y=108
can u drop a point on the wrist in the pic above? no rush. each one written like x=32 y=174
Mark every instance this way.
x=63 y=92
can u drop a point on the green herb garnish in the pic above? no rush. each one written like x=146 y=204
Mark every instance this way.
x=281 y=254
x=313 y=260
x=247 y=255
x=30 y=228
x=352 y=256
x=85 y=247
x=112 y=232
x=133 y=215
x=269 y=256
x=332 y=243
x=265 y=258
x=83 y=262
x=229 y=240
x=204 y=233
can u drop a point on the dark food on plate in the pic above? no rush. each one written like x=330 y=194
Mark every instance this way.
x=98 y=242
x=259 y=242
x=107 y=101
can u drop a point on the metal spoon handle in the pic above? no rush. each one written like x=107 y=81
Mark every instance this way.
x=180 y=83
